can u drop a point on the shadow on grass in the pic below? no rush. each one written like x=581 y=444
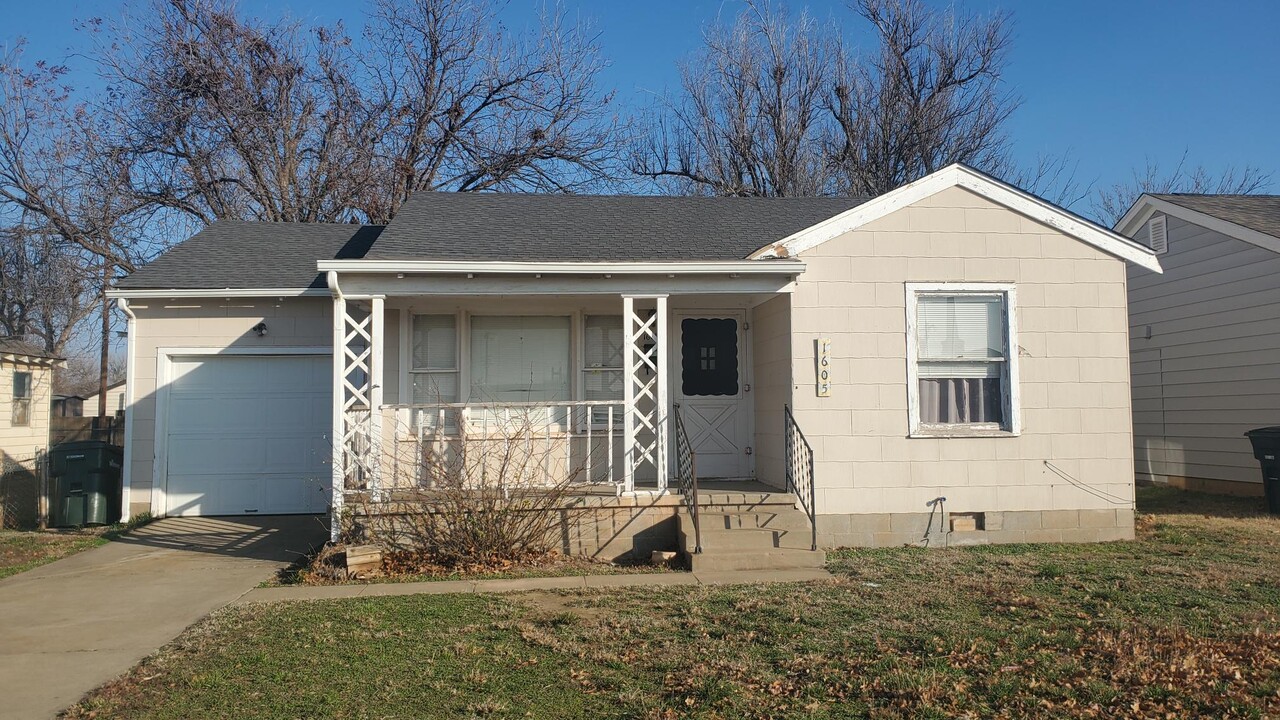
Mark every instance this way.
x=1172 y=501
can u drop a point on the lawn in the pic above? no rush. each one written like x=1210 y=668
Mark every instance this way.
x=22 y=550
x=1180 y=623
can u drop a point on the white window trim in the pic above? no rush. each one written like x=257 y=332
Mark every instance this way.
x=1013 y=400
x=580 y=358
x=31 y=391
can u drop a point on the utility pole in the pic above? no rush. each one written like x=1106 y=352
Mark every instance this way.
x=101 y=422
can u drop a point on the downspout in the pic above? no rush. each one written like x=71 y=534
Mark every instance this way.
x=131 y=343
x=337 y=462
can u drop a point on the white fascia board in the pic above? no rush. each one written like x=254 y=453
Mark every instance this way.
x=216 y=293
x=1148 y=206
x=731 y=267
x=961 y=176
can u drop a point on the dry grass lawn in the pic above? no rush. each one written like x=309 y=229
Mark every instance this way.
x=1180 y=623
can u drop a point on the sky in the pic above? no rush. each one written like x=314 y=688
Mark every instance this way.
x=1113 y=83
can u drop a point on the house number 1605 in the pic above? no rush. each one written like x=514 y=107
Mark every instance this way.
x=824 y=367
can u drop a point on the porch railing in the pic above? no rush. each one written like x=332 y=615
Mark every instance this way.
x=799 y=466
x=570 y=441
x=687 y=477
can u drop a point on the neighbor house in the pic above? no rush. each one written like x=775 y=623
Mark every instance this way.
x=1205 y=337
x=116 y=394
x=945 y=363
x=26 y=386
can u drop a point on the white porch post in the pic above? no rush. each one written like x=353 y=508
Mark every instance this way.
x=374 y=448
x=338 y=459
x=629 y=393
x=645 y=394
x=663 y=410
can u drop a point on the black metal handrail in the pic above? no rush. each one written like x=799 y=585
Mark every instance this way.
x=687 y=477
x=799 y=462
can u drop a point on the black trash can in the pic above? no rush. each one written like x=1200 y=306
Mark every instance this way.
x=1266 y=448
x=84 y=483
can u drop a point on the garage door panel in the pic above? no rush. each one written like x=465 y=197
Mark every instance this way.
x=248 y=434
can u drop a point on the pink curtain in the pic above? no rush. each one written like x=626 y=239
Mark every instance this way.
x=961 y=400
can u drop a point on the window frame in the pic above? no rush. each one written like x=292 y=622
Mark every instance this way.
x=584 y=369
x=1011 y=397
x=21 y=401
x=411 y=371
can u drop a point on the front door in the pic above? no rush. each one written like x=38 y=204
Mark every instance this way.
x=710 y=385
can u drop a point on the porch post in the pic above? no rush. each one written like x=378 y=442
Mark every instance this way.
x=663 y=410
x=628 y=393
x=337 y=438
x=375 y=396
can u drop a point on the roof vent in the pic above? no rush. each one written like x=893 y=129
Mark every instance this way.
x=1158 y=235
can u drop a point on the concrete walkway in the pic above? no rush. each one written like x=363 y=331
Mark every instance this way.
x=72 y=625
x=572 y=582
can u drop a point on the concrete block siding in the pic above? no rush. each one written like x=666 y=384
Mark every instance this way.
x=1073 y=360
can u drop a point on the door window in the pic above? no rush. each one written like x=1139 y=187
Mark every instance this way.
x=709 y=356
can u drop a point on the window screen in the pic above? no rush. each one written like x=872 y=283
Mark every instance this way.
x=602 y=349
x=962 y=359
x=519 y=359
x=709 y=356
x=434 y=363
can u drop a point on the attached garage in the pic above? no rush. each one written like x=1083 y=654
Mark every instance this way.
x=246 y=434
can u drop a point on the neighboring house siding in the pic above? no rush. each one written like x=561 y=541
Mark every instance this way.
x=1209 y=370
x=771 y=351
x=116 y=401
x=21 y=445
x=1073 y=359
x=216 y=324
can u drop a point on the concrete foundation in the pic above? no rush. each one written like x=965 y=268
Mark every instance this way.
x=937 y=529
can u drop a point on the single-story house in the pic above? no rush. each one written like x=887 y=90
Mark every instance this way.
x=1205 y=337
x=26 y=387
x=945 y=363
x=116 y=394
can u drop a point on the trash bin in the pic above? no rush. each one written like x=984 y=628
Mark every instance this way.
x=1266 y=448
x=84 y=483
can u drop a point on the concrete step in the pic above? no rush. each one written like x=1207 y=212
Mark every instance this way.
x=777 y=519
x=721 y=531
x=745 y=539
x=744 y=500
x=776 y=559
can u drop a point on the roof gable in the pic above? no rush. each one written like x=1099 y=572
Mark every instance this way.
x=1254 y=219
x=981 y=184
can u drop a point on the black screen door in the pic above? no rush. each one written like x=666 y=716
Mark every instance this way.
x=709 y=356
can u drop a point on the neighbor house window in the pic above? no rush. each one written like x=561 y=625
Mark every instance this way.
x=963 y=370
x=602 y=341
x=433 y=368
x=21 y=399
x=520 y=359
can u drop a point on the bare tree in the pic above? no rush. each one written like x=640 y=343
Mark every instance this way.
x=1110 y=204
x=929 y=95
x=45 y=294
x=750 y=120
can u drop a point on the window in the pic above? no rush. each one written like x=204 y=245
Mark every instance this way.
x=433 y=365
x=520 y=359
x=21 y=399
x=962 y=371
x=602 y=345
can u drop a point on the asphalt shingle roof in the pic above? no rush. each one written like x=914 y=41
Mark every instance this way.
x=236 y=254
x=488 y=227
x=18 y=346
x=1256 y=212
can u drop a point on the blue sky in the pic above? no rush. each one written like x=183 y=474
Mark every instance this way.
x=1114 y=83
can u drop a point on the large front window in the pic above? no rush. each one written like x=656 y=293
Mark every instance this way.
x=520 y=359
x=963 y=369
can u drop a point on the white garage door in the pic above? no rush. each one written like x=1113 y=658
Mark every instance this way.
x=248 y=435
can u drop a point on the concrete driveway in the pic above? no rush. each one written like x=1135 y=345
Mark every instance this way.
x=72 y=625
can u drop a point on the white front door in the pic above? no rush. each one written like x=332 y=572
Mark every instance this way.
x=711 y=387
x=248 y=434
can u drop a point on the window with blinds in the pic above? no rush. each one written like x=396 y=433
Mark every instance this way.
x=21 y=413
x=962 y=359
x=602 y=348
x=433 y=366
x=520 y=359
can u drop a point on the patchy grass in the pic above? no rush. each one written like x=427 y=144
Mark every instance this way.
x=22 y=550
x=1181 y=622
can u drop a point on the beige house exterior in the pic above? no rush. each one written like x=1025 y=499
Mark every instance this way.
x=117 y=397
x=954 y=354
x=1204 y=338
x=26 y=386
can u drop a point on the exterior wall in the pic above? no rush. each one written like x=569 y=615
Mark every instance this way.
x=116 y=399
x=1073 y=361
x=1205 y=337
x=214 y=324
x=20 y=445
x=770 y=337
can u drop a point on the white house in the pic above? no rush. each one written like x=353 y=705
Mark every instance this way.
x=1205 y=337
x=944 y=363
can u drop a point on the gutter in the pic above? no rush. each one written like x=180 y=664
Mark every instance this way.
x=731 y=267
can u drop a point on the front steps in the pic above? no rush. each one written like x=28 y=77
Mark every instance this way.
x=749 y=531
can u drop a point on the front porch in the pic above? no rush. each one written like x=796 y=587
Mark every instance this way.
x=578 y=391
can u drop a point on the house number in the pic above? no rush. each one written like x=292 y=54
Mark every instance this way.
x=824 y=367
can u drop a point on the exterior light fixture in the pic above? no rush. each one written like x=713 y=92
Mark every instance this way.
x=261 y=329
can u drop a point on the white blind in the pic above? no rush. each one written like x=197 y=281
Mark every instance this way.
x=435 y=342
x=519 y=359
x=959 y=327
x=602 y=341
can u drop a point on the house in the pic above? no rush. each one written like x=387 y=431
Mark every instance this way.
x=1205 y=337
x=26 y=386
x=945 y=363
x=116 y=393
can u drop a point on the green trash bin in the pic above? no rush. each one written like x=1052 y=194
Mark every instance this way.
x=84 y=483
